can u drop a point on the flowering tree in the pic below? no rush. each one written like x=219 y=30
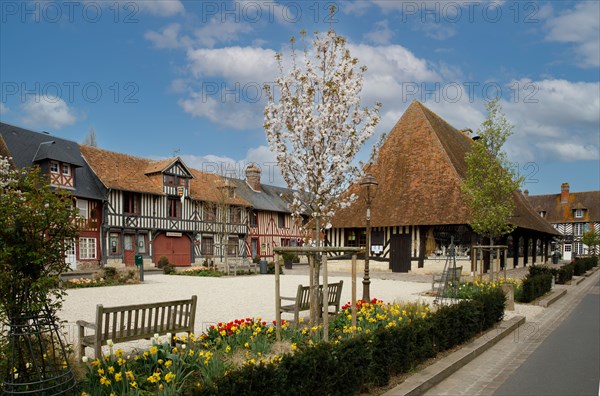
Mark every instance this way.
x=317 y=126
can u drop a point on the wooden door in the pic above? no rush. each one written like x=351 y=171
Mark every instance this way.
x=400 y=252
x=128 y=250
x=254 y=247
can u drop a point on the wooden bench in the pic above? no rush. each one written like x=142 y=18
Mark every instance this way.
x=450 y=275
x=136 y=322
x=302 y=299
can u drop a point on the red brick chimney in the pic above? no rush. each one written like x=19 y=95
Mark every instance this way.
x=253 y=177
x=564 y=193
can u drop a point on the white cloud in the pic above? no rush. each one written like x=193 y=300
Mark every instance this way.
x=436 y=31
x=218 y=31
x=235 y=64
x=168 y=37
x=163 y=8
x=569 y=151
x=231 y=114
x=581 y=27
x=382 y=34
x=4 y=109
x=47 y=111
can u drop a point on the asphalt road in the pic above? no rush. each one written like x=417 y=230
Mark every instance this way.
x=568 y=360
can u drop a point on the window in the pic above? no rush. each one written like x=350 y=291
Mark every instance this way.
x=356 y=238
x=169 y=180
x=131 y=203
x=578 y=248
x=141 y=238
x=567 y=248
x=578 y=229
x=578 y=213
x=281 y=220
x=253 y=218
x=232 y=246
x=82 y=205
x=182 y=182
x=53 y=166
x=542 y=213
x=207 y=246
x=115 y=247
x=285 y=242
x=174 y=208
x=235 y=214
x=210 y=212
x=66 y=169
x=87 y=248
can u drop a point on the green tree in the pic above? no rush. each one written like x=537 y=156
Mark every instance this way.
x=37 y=223
x=592 y=240
x=490 y=184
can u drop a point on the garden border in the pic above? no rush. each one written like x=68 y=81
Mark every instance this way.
x=554 y=296
x=432 y=375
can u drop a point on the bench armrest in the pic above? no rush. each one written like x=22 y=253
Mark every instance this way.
x=288 y=298
x=83 y=323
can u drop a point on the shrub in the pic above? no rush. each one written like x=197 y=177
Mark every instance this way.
x=271 y=268
x=535 y=286
x=564 y=274
x=110 y=273
x=582 y=265
x=162 y=262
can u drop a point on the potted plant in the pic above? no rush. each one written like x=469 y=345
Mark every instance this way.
x=288 y=259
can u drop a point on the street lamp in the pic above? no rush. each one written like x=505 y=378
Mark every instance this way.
x=370 y=184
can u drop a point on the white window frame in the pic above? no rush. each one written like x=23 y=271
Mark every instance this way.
x=578 y=248
x=578 y=213
x=578 y=229
x=54 y=167
x=568 y=248
x=82 y=205
x=66 y=167
x=87 y=248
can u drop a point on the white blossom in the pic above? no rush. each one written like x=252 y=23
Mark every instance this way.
x=317 y=126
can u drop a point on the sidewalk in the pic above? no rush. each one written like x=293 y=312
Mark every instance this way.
x=486 y=373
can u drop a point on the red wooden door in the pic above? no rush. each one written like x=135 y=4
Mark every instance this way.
x=176 y=249
x=128 y=250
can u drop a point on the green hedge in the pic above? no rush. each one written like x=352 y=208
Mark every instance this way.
x=351 y=366
x=535 y=286
x=564 y=274
x=582 y=265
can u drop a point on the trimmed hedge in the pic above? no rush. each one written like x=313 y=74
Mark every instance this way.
x=564 y=274
x=351 y=366
x=536 y=285
x=582 y=265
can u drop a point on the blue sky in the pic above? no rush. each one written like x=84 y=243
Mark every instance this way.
x=157 y=78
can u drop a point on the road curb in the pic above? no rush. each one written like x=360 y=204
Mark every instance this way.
x=576 y=280
x=552 y=298
x=432 y=375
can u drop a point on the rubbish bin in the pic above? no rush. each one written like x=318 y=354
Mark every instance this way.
x=139 y=261
x=263 y=267
x=555 y=257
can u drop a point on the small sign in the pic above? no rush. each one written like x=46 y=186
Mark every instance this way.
x=174 y=234
x=180 y=191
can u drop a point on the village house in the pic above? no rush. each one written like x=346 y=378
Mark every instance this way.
x=418 y=206
x=270 y=223
x=163 y=208
x=62 y=162
x=572 y=214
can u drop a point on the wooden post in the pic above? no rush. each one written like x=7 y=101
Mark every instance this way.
x=277 y=300
x=353 y=292
x=325 y=298
x=311 y=299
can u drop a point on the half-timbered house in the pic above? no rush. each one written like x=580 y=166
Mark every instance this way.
x=572 y=214
x=61 y=161
x=270 y=222
x=418 y=205
x=163 y=208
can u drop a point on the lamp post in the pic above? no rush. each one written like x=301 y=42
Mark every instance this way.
x=370 y=184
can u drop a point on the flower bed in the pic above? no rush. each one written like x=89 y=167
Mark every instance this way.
x=244 y=355
x=107 y=277
x=199 y=271
x=469 y=290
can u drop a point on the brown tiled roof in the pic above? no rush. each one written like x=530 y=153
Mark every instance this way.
x=125 y=172
x=556 y=212
x=420 y=168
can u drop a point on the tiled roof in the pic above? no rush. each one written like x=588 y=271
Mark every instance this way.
x=28 y=147
x=269 y=198
x=125 y=172
x=556 y=212
x=420 y=168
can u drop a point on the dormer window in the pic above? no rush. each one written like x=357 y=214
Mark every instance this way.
x=66 y=169
x=53 y=166
x=542 y=213
x=578 y=213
